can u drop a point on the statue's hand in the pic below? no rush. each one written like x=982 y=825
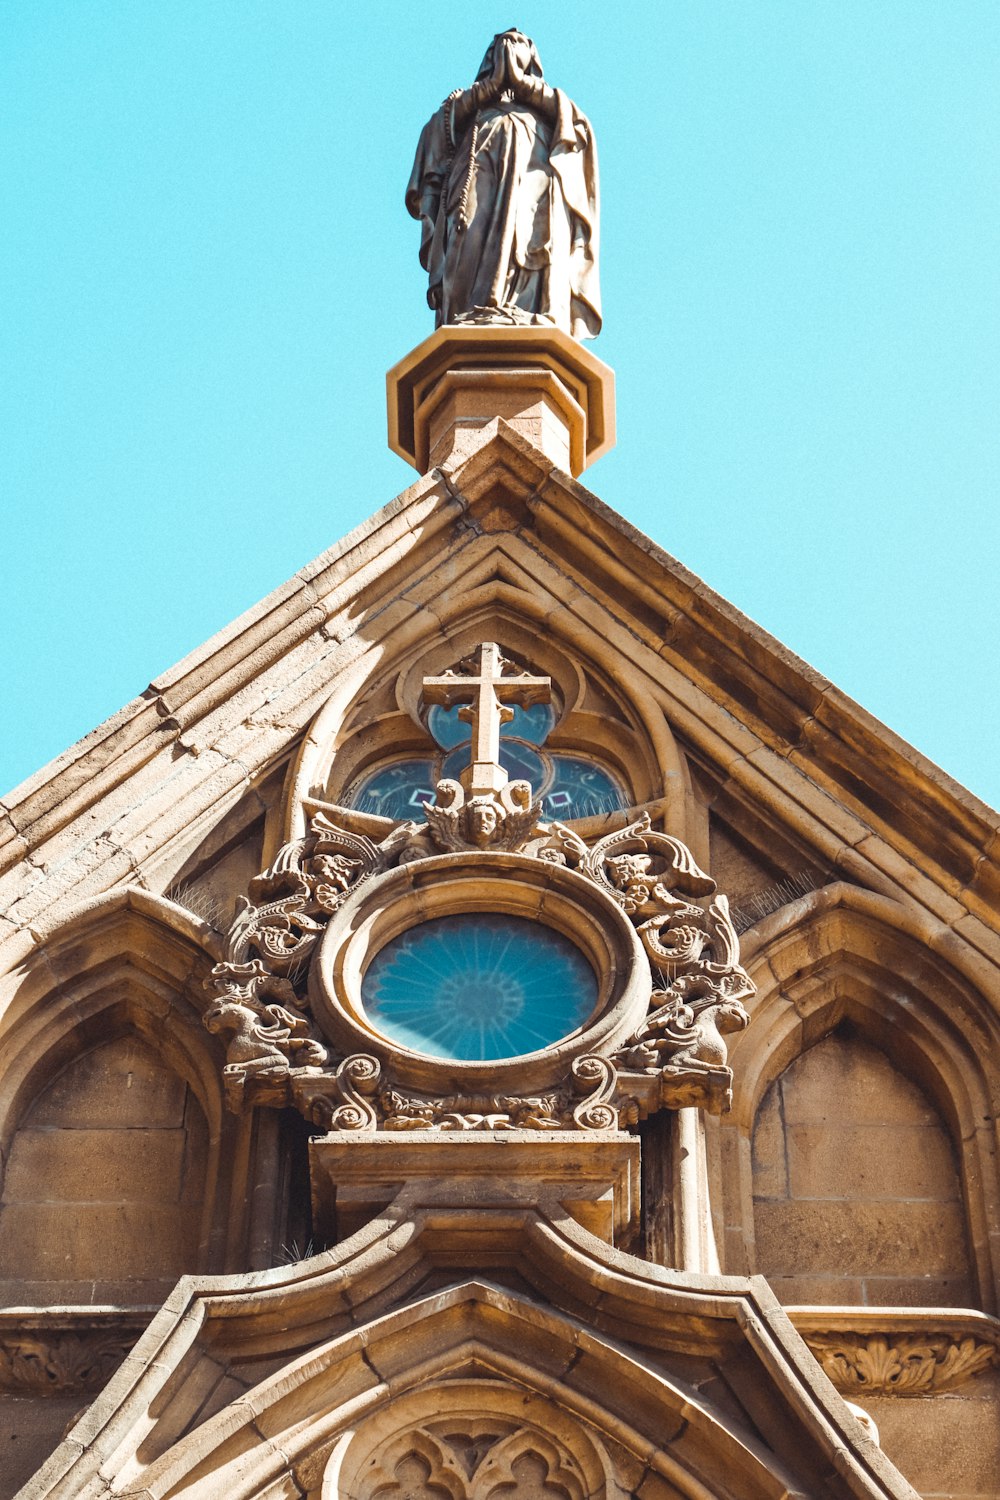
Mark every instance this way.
x=515 y=72
x=501 y=66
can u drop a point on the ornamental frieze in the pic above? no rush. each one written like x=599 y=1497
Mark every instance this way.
x=905 y=1364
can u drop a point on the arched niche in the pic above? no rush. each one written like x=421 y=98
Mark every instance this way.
x=111 y=1116
x=472 y=1440
x=861 y=1027
x=104 y=1189
x=605 y=709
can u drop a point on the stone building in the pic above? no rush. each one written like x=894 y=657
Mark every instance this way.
x=624 y=1243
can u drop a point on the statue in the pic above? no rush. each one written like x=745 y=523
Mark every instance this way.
x=505 y=186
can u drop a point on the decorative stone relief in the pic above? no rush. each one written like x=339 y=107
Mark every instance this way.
x=469 y=1459
x=899 y=1363
x=277 y=1052
x=52 y=1363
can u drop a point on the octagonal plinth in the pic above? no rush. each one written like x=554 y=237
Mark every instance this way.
x=540 y=380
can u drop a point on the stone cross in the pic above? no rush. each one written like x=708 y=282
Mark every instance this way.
x=485 y=689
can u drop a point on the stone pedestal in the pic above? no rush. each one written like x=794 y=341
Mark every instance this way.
x=541 y=381
x=593 y=1174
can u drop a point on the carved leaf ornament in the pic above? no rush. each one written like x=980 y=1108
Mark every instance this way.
x=51 y=1363
x=276 y=1054
x=899 y=1363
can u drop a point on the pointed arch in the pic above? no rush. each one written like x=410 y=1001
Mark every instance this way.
x=516 y=596
x=113 y=993
x=519 y=1355
x=844 y=956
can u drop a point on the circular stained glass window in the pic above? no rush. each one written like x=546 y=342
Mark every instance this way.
x=478 y=987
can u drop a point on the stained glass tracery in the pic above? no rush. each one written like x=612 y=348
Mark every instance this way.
x=570 y=786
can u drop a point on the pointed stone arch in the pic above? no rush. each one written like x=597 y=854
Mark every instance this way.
x=607 y=706
x=845 y=957
x=114 y=988
x=698 y=1386
x=482 y=1351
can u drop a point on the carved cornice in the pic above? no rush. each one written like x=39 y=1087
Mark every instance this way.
x=46 y=1355
x=900 y=1364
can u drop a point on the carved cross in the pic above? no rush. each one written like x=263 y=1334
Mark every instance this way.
x=485 y=693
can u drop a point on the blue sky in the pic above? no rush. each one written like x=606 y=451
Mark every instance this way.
x=207 y=269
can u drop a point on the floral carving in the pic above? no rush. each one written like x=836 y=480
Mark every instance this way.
x=40 y=1364
x=899 y=1363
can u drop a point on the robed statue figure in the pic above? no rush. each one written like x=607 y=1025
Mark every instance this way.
x=505 y=188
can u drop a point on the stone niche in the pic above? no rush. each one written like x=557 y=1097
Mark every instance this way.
x=102 y=1196
x=857 y=1194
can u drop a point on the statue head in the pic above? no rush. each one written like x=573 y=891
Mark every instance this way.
x=525 y=52
x=484 y=820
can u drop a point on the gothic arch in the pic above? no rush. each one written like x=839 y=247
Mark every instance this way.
x=474 y=1439
x=629 y=731
x=473 y=1341
x=125 y=966
x=842 y=954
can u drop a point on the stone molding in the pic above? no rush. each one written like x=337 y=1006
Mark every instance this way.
x=608 y=1338
x=897 y=1352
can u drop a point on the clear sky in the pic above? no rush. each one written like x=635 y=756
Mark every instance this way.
x=207 y=268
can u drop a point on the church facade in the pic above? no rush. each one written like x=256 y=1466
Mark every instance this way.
x=494 y=1023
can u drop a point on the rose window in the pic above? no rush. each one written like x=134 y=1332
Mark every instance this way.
x=478 y=986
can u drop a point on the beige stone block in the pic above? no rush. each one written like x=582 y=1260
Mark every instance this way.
x=819 y=1290
x=918 y=1291
x=147 y=1293
x=122 y=1084
x=770 y=1170
x=945 y=1445
x=30 y=1428
x=898 y=1239
x=872 y=1162
x=851 y=1083
x=105 y=1241
x=86 y=1166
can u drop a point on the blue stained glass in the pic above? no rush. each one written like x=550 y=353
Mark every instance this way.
x=477 y=987
x=395 y=791
x=580 y=789
x=520 y=763
x=532 y=724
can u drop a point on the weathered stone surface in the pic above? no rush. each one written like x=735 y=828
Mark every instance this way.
x=947 y=1445
x=29 y=1430
x=874 y=1162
